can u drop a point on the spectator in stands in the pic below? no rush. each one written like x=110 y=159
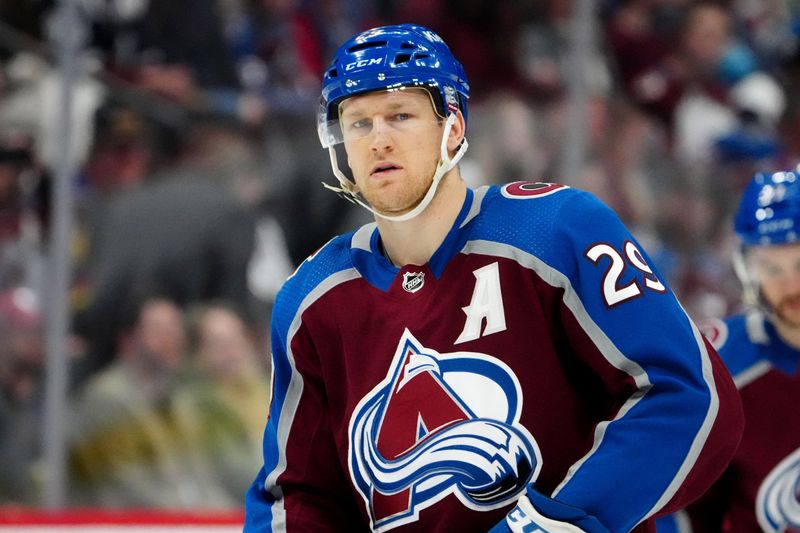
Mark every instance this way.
x=21 y=372
x=126 y=445
x=175 y=49
x=183 y=234
x=221 y=406
x=23 y=214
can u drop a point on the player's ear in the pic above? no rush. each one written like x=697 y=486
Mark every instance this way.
x=456 y=133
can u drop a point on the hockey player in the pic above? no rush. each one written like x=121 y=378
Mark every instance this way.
x=503 y=359
x=761 y=347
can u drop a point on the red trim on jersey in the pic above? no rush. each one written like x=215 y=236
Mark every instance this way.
x=530 y=189
x=144 y=517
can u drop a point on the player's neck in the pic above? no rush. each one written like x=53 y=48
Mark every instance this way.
x=414 y=241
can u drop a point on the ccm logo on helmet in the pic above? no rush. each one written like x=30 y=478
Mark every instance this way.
x=363 y=63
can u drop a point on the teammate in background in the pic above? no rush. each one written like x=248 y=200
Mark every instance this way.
x=761 y=347
x=502 y=358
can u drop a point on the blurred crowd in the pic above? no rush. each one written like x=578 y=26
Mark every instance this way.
x=198 y=192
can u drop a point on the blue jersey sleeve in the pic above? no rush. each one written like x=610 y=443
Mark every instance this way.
x=260 y=500
x=680 y=426
x=258 y=505
x=297 y=434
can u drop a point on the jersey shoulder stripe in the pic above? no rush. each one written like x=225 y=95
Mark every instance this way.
x=740 y=346
x=555 y=226
x=750 y=346
x=332 y=258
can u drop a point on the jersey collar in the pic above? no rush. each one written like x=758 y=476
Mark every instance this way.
x=365 y=247
x=780 y=354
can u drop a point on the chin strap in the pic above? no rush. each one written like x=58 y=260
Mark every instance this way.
x=749 y=285
x=347 y=189
x=751 y=292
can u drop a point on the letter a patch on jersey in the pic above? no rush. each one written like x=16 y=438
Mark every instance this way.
x=486 y=304
x=440 y=424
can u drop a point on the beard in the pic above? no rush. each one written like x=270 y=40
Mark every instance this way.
x=787 y=309
x=394 y=198
x=398 y=196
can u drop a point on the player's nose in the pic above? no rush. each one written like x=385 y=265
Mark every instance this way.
x=380 y=136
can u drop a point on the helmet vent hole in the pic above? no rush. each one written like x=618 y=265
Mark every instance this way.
x=401 y=58
x=365 y=46
x=408 y=46
x=421 y=56
x=333 y=73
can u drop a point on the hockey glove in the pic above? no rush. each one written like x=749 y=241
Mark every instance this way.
x=535 y=513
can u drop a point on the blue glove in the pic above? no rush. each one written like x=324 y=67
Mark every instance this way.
x=535 y=513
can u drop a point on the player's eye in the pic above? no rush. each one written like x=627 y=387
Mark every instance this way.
x=360 y=125
x=770 y=271
x=357 y=128
x=403 y=120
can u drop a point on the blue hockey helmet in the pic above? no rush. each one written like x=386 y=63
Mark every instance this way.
x=769 y=212
x=391 y=57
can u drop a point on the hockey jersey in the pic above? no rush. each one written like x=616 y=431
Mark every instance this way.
x=759 y=490
x=537 y=346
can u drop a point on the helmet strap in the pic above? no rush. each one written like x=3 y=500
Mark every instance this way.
x=347 y=188
x=751 y=291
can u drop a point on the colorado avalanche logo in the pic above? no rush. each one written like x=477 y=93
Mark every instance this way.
x=524 y=190
x=440 y=424
x=778 y=501
x=715 y=330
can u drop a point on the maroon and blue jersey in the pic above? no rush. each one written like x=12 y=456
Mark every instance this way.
x=759 y=490
x=537 y=346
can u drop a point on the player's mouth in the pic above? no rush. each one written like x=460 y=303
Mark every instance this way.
x=791 y=302
x=789 y=310
x=384 y=168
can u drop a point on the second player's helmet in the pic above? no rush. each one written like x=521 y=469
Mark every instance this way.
x=390 y=57
x=769 y=212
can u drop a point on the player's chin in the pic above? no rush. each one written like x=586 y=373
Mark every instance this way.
x=391 y=211
x=789 y=314
x=392 y=204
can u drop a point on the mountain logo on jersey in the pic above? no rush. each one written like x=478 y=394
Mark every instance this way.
x=440 y=424
x=778 y=500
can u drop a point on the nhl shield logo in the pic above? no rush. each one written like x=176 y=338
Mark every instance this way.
x=413 y=281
